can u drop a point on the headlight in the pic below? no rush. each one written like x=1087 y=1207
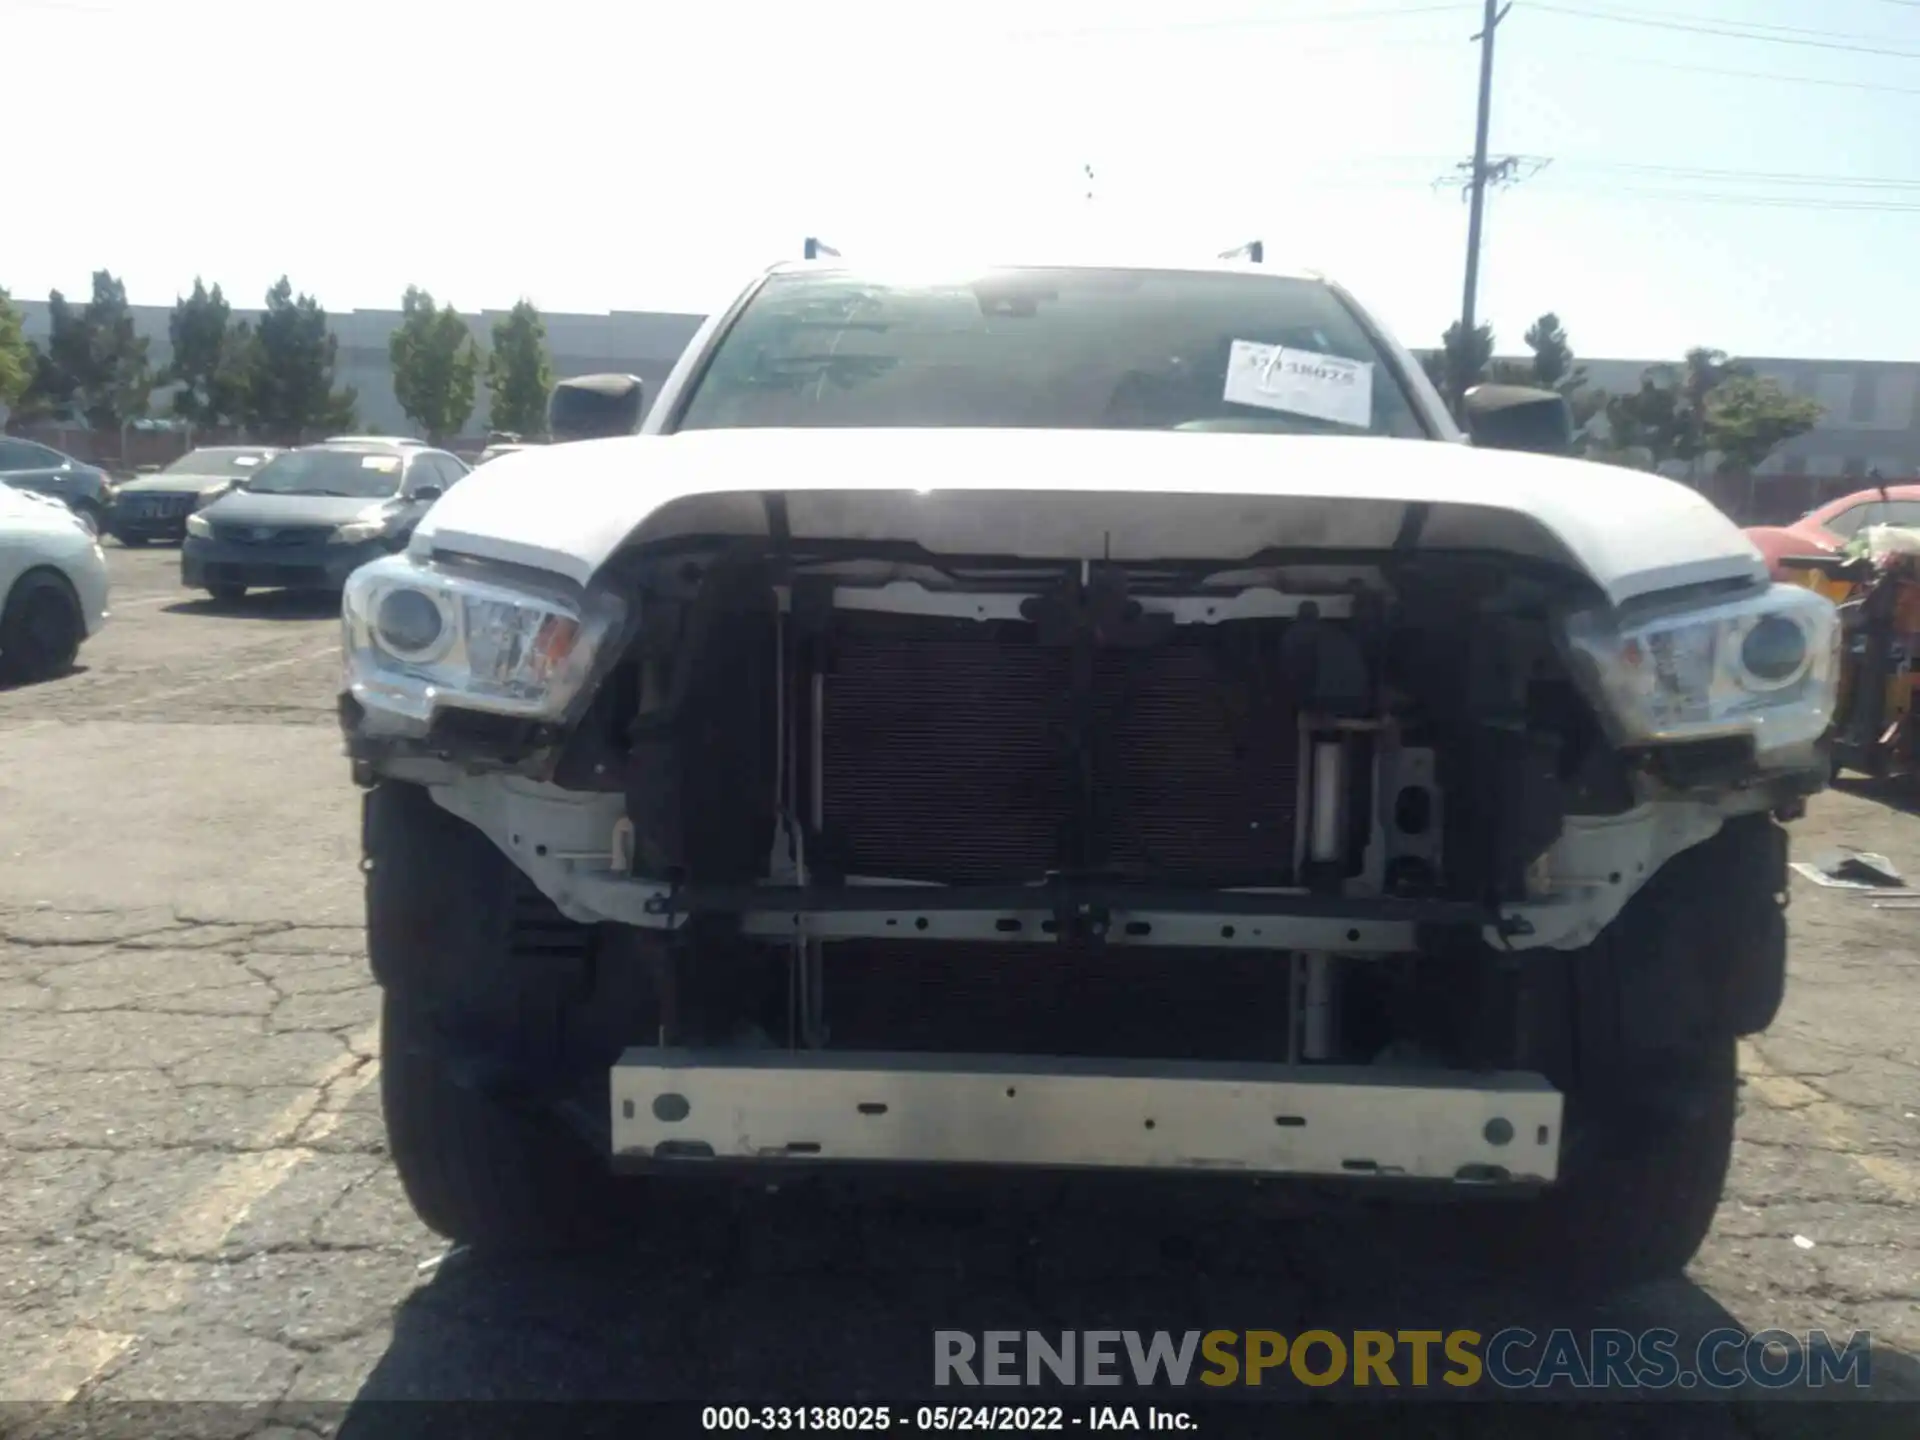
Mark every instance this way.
x=419 y=638
x=198 y=527
x=1766 y=665
x=356 y=531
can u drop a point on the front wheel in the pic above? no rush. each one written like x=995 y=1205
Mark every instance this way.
x=1641 y=1181
x=40 y=629
x=476 y=968
x=477 y=1168
x=1640 y=1031
x=132 y=542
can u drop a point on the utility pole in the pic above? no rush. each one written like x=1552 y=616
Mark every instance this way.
x=1477 y=199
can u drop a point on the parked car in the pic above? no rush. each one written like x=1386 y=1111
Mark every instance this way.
x=308 y=517
x=156 y=506
x=85 y=489
x=1078 y=718
x=54 y=580
x=494 y=452
x=1825 y=530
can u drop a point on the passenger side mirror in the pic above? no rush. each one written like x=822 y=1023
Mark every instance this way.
x=428 y=492
x=1518 y=417
x=146 y=469
x=593 y=407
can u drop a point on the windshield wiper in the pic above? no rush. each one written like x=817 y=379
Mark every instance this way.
x=331 y=494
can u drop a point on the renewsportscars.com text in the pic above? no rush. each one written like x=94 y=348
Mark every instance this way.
x=1509 y=1359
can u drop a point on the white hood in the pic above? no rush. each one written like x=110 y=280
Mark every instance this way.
x=1123 y=495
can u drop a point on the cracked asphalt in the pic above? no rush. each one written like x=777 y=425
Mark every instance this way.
x=195 y=1202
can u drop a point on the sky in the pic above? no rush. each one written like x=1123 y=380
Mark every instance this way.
x=1741 y=174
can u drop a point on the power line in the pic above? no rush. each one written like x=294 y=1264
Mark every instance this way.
x=1696 y=29
x=1765 y=202
x=1769 y=177
x=1264 y=22
x=1636 y=62
x=1821 y=33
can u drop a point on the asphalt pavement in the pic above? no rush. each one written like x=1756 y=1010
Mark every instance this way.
x=195 y=1203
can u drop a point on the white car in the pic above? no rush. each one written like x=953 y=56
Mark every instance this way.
x=1078 y=718
x=53 y=577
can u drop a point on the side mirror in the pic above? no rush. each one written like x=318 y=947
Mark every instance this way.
x=594 y=407
x=1518 y=417
x=146 y=469
x=428 y=492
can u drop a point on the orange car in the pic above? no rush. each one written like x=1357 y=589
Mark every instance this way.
x=1825 y=530
x=1875 y=729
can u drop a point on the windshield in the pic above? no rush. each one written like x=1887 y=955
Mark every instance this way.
x=359 y=474
x=217 y=462
x=1053 y=349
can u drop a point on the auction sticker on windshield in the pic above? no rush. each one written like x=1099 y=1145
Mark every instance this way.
x=1300 y=382
x=382 y=463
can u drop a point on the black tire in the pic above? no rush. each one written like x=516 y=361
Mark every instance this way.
x=1640 y=1032
x=227 y=594
x=477 y=1169
x=482 y=1165
x=1640 y=1183
x=132 y=542
x=40 y=629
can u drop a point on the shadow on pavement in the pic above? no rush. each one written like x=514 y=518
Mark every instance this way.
x=808 y=1298
x=1901 y=795
x=265 y=605
x=8 y=687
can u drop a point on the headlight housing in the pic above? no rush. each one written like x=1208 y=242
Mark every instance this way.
x=1765 y=665
x=354 y=532
x=199 y=527
x=420 y=638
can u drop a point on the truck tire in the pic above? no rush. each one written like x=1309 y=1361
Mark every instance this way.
x=1639 y=1186
x=475 y=1168
x=484 y=1164
x=1640 y=1031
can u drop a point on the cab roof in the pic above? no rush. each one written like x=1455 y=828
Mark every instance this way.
x=1185 y=262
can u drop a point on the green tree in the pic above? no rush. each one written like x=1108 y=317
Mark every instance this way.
x=1643 y=426
x=1552 y=352
x=1700 y=374
x=212 y=353
x=1464 y=358
x=435 y=364
x=290 y=390
x=95 y=362
x=1747 y=418
x=519 y=371
x=17 y=360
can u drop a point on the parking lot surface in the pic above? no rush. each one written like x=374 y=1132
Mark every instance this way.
x=195 y=1203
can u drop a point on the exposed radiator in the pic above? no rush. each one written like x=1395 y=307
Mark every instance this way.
x=948 y=757
x=1051 y=999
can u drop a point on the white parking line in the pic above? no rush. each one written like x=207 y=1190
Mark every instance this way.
x=109 y=710
x=66 y=1363
x=331 y=648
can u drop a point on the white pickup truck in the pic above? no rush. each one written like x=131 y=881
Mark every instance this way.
x=1084 y=718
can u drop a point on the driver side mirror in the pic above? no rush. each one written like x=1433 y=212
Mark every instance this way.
x=1518 y=417
x=427 y=493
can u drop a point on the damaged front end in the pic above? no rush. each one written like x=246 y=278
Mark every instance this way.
x=952 y=837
